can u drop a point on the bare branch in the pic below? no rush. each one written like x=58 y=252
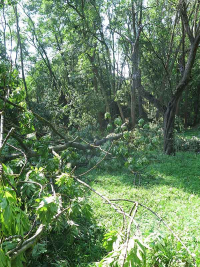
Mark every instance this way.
x=21 y=51
x=104 y=198
x=25 y=158
x=49 y=124
x=63 y=147
x=160 y=218
x=152 y=99
x=135 y=207
x=183 y=11
x=94 y=167
x=52 y=187
x=18 y=245
x=75 y=9
x=101 y=149
x=27 y=244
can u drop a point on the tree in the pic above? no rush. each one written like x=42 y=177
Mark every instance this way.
x=194 y=39
x=75 y=76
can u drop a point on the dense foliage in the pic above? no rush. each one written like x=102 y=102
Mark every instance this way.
x=87 y=84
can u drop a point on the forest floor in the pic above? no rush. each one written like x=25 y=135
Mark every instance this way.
x=170 y=186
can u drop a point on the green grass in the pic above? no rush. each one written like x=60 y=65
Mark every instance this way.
x=189 y=133
x=169 y=186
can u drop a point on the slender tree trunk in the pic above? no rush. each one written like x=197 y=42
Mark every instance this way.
x=105 y=96
x=186 y=110
x=1 y=143
x=169 y=119
x=196 y=107
x=177 y=108
x=135 y=58
x=142 y=113
x=4 y=26
x=135 y=81
x=40 y=48
x=99 y=79
x=133 y=104
x=21 y=52
x=121 y=111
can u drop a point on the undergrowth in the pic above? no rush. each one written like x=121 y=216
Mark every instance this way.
x=170 y=186
x=156 y=198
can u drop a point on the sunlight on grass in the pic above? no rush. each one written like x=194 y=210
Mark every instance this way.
x=170 y=187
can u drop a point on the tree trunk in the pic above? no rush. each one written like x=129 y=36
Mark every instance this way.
x=177 y=108
x=169 y=119
x=186 y=110
x=99 y=79
x=169 y=116
x=121 y=111
x=133 y=105
x=142 y=113
x=1 y=143
x=21 y=53
x=135 y=81
x=196 y=107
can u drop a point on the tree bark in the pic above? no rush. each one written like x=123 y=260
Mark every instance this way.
x=169 y=116
x=133 y=103
x=196 y=107
x=135 y=78
x=135 y=58
x=21 y=53
x=62 y=147
x=186 y=110
x=121 y=111
x=1 y=143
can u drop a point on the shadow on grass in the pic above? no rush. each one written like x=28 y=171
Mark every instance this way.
x=181 y=171
x=166 y=186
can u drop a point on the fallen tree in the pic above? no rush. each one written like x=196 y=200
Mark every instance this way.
x=65 y=143
x=62 y=147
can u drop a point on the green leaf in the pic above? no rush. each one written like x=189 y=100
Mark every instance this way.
x=109 y=239
x=126 y=135
x=118 y=121
x=141 y=122
x=47 y=209
x=146 y=127
x=39 y=249
x=107 y=115
x=4 y=260
x=64 y=179
x=7 y=170
x=3 y=204
x=109 y=127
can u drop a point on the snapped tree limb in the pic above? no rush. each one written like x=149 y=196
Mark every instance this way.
x=62 y=147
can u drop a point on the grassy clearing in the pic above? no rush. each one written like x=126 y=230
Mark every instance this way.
x=190 y=134
x=193 y=132
x=170 y=186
